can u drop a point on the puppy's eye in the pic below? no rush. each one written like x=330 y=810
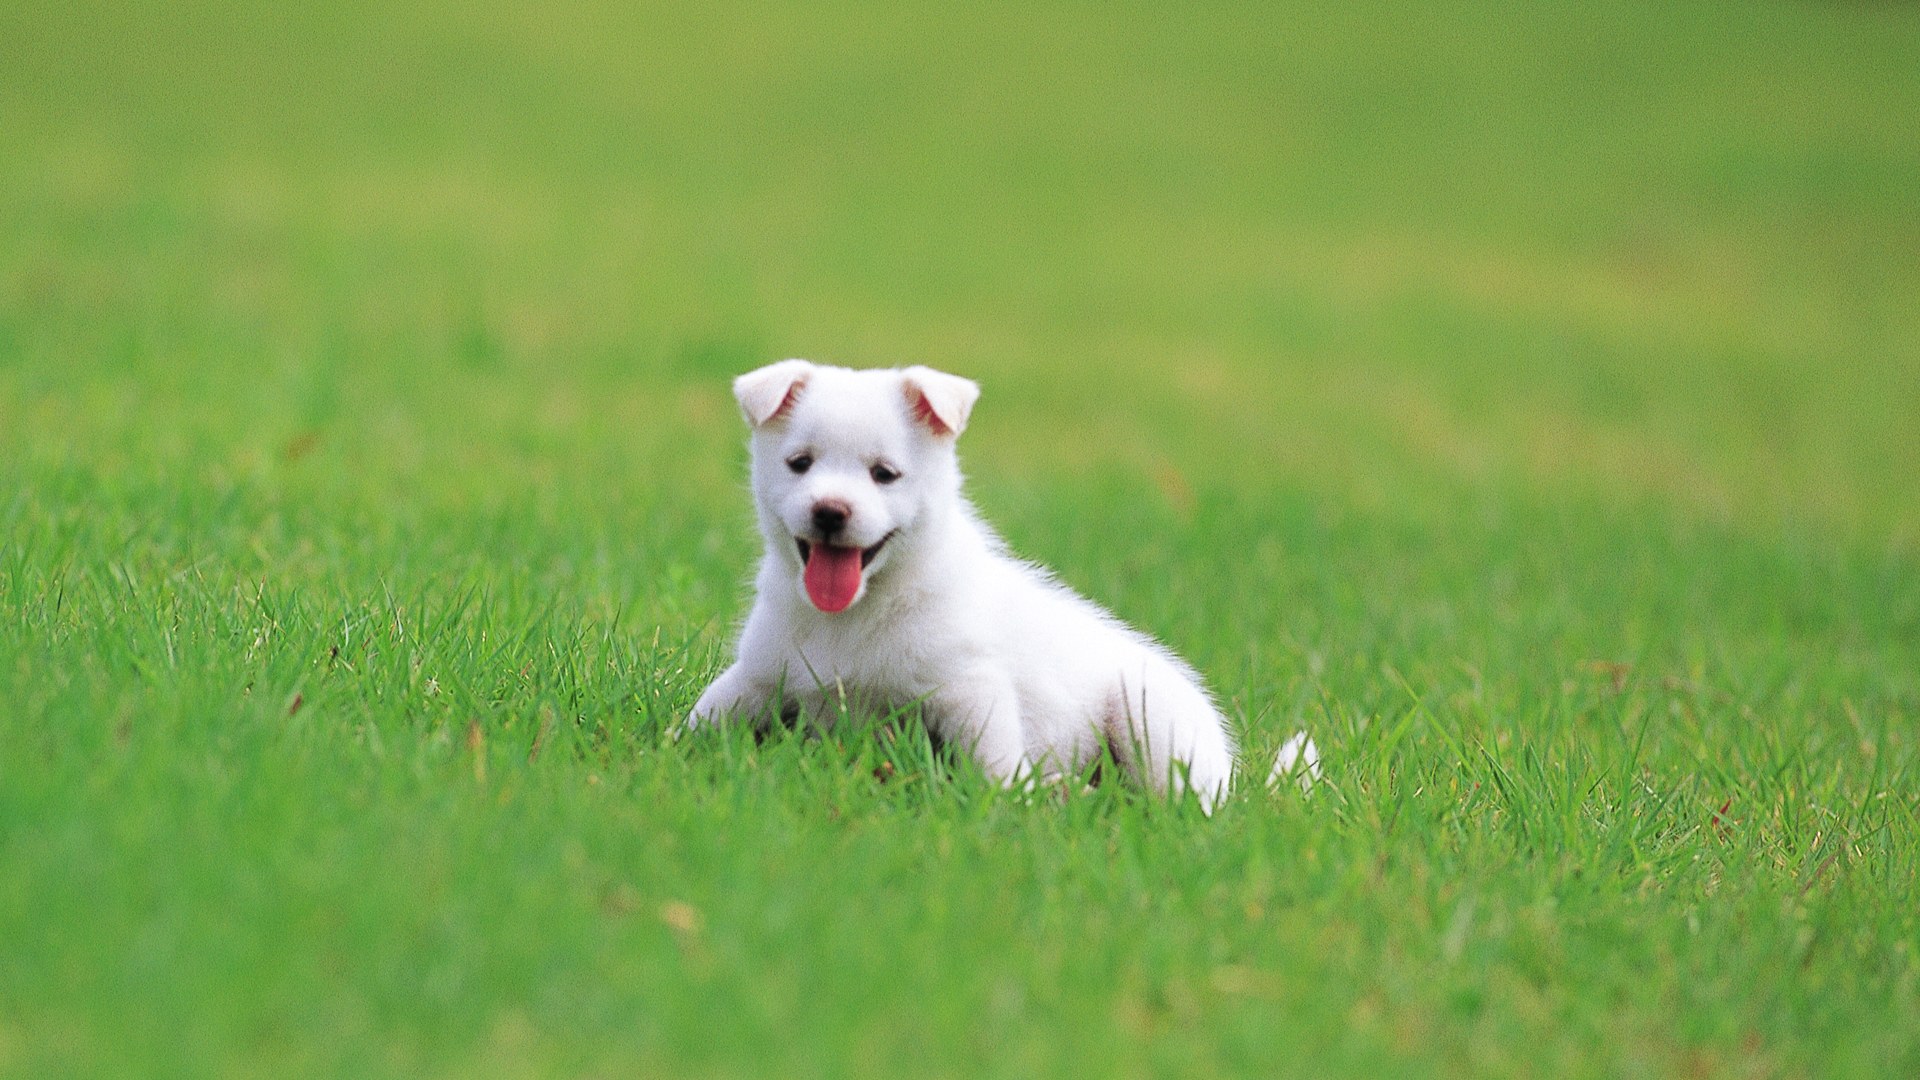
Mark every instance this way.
x=883 y=473
x=800 y=463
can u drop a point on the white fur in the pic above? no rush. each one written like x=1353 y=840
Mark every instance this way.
x=1298 y=756
x=1003 y=660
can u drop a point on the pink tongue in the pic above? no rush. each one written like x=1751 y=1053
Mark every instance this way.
x=833 y=576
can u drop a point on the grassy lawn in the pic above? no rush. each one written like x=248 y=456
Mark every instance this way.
x=1525 y=399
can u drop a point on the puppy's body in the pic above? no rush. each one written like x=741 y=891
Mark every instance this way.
x=880 y=588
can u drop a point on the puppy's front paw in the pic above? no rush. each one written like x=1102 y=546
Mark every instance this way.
x=686 y=725
x=720 y=697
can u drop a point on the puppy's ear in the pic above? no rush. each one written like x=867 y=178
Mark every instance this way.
x=939 y=400
x=770 y=391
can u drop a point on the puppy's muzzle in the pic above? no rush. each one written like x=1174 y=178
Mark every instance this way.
x=830 y=516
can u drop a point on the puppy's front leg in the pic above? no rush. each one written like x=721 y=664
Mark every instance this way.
x=734 y=692
x=981 y=712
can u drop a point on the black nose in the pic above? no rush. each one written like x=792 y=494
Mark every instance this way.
x=830 y=517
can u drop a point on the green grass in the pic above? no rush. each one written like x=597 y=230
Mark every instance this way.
x=1524 y=399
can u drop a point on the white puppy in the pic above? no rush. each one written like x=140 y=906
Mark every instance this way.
x=880 y=589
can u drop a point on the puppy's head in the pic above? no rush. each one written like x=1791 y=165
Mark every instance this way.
x=847 y=463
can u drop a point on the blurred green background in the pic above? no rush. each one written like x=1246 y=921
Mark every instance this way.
x=1523 y=397
x=1634 y=251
